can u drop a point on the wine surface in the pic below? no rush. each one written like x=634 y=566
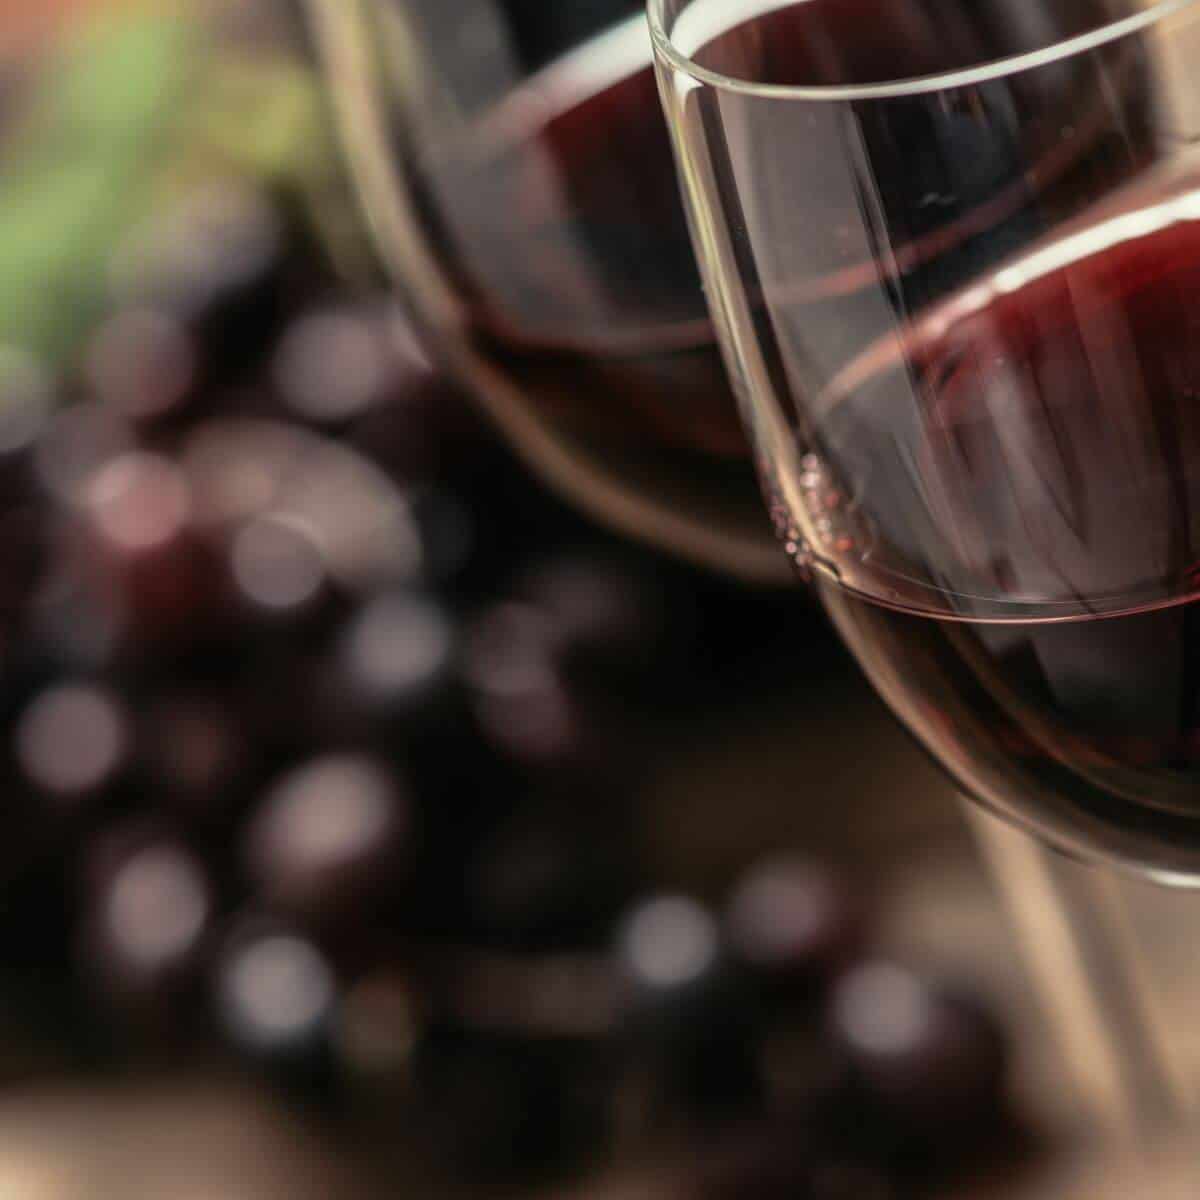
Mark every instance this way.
x=1086 y=730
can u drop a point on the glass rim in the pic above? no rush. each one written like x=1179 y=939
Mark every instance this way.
x=684 y=63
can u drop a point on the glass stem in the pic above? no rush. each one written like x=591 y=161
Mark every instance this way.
x=1074 y=927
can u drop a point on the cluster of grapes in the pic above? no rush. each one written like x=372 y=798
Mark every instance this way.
x=830 y=1070
x=322 y=737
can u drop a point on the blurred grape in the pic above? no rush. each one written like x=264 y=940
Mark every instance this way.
x=539 y=885
x=330 y=838
x=336 y=364
x=521 y=697
x=281 y=577
x=276 y=998
x=150 y=908
x=143 y=365
x=691 y=1022
x=934 y=1063
x=73 y=744
x=394 y=664
x=243 y=470
x=795 y=924
x=80 y=441
x=138 y=537
x=195 y=753
x=608 y=625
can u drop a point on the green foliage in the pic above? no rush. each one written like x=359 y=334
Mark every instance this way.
x=123 y=114
x=77 y=166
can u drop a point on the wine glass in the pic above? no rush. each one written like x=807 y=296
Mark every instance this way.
x=516 y=168
x=953 y=258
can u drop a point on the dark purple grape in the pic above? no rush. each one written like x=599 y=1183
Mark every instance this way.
x=139 y=502
x=68 y=756
x=150 y=911
x=137 y=537
x=281 y=576
x=516 y=518
x=520 y=695
x=277 y=695
x=338 y=363
x=73 y=743
x=609 y=625
x=426 y=431
x=932 y=1062
x=80 y=440
x=331 y=838
x=390 y=683
x=394 y=662
x=668 y=947
x=277 y=998
x=143 y=365
x=465 y=800
x=195 y=753
x=795 y=924
x=399 y=438
x=692 y=1025
x=244 y=471
x=540 y=886
x=73 y=622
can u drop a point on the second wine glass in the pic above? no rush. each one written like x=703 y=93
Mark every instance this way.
x=516 y=168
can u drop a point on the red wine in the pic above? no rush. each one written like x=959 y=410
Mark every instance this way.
x=575 y=256
x=1031 y=446
x=553 y=217
x=1087 y=730
x=1026 y=459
